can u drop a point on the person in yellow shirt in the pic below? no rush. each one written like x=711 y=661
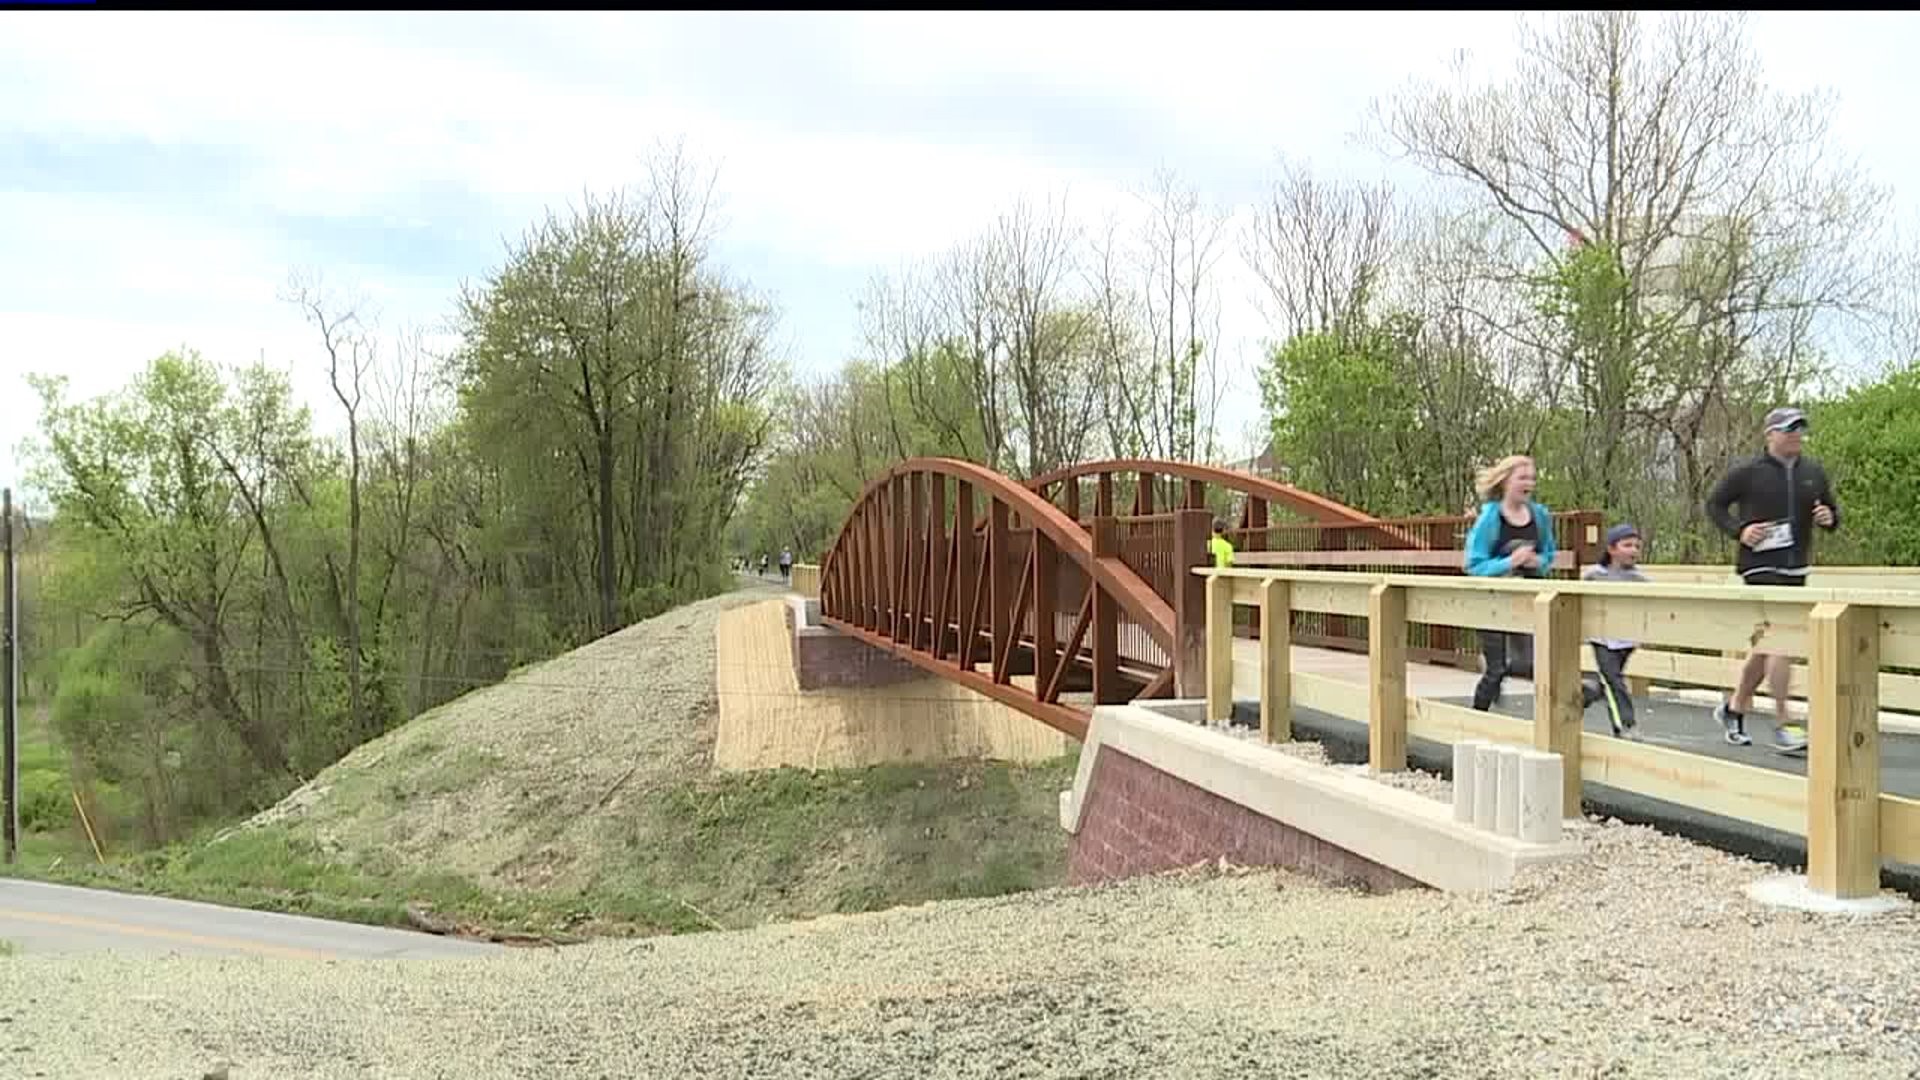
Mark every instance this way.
x=1220 y=546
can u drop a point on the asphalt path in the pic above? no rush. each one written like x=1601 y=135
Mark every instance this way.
x=1679 y=725
x=1685 y=725
x=40 y=918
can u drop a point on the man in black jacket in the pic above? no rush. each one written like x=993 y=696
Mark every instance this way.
x=1781 y=496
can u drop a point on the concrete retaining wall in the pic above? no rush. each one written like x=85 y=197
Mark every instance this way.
x=1155 y=793
x=1141 y=820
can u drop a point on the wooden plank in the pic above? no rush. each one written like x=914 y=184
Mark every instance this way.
x=1556 y=688
x=1333 y=599
x=1219 y=649
x=1766 y=797
x=1877 y=578
x=1445 y=722
x=1387 y=682
x=1900 y=829
x=1898 y=692
x=1439 y=560
x=1899 y=630
x=1843 y=753
x=1276 y=663
x=1487 y=609
x=1732 y=618
x=1701 y=622
x=1748 y=594
x=1777 y=800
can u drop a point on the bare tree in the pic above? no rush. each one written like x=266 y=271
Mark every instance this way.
x=1320 y=248
x=1047 y=334
x=1688 y=218
x=350 y=356
x=1175 y=394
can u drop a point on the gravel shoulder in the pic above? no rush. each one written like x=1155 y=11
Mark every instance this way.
x=1642 y=960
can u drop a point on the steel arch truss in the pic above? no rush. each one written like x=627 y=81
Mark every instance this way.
x=977 y=579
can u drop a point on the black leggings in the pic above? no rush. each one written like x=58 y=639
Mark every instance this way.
x=1610 y=686
x=1506 y=654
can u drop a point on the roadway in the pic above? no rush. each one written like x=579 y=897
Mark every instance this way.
x=40 y=918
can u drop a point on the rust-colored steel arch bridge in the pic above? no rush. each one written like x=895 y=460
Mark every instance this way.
x=1041 y=598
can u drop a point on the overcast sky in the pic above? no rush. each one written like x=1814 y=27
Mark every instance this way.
x=161 y=173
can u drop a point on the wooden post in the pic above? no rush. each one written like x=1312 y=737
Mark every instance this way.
x=1387 y=664
x=1191 y=528
x=1843 y=751
x=1276 y=661
x=1219 y=648
x=1557 y=710
x=1106 y=613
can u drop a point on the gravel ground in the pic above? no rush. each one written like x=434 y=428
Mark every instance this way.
x=514 y=783
x=1642 y=960
x=1420 y=783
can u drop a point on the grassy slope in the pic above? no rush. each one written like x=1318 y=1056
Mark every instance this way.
x=560 y=803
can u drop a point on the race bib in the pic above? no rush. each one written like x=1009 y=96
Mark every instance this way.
x=1777 y=535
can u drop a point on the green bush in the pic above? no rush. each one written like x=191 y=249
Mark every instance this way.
x=46 y=801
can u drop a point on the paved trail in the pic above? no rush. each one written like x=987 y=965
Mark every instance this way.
x=1665 y=719
x=41 y=918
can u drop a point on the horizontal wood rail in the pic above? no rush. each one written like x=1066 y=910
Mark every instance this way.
x=1845 y=635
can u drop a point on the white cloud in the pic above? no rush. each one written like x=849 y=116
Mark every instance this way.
x=839 y=138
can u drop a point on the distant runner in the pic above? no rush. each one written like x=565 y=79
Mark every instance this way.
x=1781 y=495
x=786 y=563
x=1512 y=537
x=1619 y=562
x=1220 y=546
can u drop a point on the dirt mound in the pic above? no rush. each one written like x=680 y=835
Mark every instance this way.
x=513 y=784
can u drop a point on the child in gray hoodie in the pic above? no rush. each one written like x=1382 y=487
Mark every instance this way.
x=1619 y=562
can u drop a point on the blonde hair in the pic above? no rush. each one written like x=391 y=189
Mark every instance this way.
x=1492 y=481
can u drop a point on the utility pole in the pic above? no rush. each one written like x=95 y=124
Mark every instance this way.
x=10 y=682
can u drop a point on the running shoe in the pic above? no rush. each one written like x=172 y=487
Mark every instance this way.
x=1790 y=738
x=1735 y=723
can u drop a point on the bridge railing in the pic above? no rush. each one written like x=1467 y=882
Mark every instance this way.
x=1844 y=635
x=1439 y=542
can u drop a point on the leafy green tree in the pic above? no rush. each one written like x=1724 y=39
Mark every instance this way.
x=1869 y=440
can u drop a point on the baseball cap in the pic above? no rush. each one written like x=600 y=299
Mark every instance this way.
x=1786 y=418
x=1620 y=532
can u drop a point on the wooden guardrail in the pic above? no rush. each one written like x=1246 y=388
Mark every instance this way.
x=1895 y=578
x=806 y=580
x=1845 y=635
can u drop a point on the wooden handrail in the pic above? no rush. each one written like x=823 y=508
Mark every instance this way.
x=1849 y=823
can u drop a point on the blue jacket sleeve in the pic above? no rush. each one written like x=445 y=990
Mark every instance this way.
x=1481 y=561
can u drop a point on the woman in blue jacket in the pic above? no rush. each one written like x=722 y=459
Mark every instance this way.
x=1512 y=537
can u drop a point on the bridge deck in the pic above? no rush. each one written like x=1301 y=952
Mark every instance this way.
x=1681 y=720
